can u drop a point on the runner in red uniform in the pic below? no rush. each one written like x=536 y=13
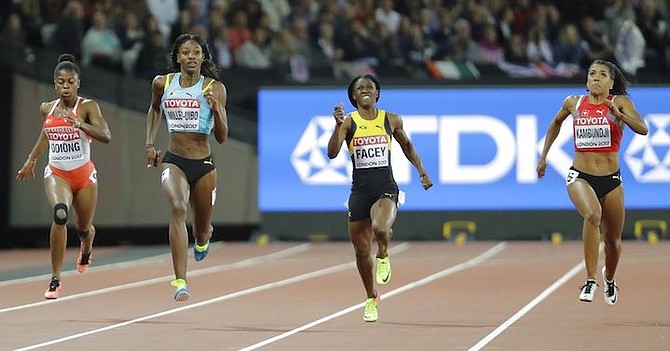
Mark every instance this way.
x=594 y=180
x=70 y=180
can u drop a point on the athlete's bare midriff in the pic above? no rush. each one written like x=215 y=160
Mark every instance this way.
x=189 y=145
x=597 y=163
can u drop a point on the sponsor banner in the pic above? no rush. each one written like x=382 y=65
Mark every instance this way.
x=480 y=147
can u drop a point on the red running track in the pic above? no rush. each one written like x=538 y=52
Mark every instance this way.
x=308 y=296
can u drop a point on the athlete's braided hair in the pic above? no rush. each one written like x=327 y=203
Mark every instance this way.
x=620 y=82
x=207 y=69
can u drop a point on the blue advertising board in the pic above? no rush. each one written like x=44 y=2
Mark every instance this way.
x=479 y=145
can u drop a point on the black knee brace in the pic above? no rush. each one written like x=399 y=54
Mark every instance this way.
x=60 y=213
x=83 y=234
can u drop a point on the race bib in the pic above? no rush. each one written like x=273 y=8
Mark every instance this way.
x=182 y=115
x=370 y=151
x=592 y=132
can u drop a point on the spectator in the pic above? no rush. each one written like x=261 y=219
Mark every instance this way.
x=390 y=50
x=359 y=45
x=596 y=45
x=522 y=12
x=650 y=22
x=13 y=37
x=463 y=48
x=489 y=49
x=387 y=16
x=326 y=49
x=101 y=46
x=152 y=58
x=239 y=31
x=629 y=49
x=616 y=13
x=515 y=51
x=568 y=49
x=69 y=31
x=255 y=53
x=221 y=53
x=538 y=48
x=184 y=22
x=33 y=23
x=166 y=13
x=131 y=36
x=277 y=12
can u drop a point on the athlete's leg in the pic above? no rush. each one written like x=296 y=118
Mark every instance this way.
x=85 y=203
x=59 y=196
x=383 y=214
x=176 y=190
x=612 y=224
x=360 y=233
x=202 y=200
x=586 y=203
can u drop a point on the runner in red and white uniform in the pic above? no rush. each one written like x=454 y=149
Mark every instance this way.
x=70 y=180
x=594 y=180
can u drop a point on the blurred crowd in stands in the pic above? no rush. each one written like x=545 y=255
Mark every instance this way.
x=301 y=39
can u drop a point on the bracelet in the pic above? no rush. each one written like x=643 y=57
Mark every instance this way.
x=146 y=146
x=77 y=123
x=423 y=175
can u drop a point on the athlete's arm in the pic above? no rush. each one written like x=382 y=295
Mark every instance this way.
x=342 y=126
x=566 y=109
x=92 y=122
x=38 y=149
x=216 y=97
x=408 y=149
x=153 y=120
x=624 y=110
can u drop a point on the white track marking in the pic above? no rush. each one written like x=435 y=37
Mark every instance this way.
x=451 y=270
x=240 y=264
x=543 y=295
x=244 y=292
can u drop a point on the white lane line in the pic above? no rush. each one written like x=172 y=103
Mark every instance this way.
x=543 y=295
x=244 y=292
x=102 y=268
x=240 y=264
x=451 y=270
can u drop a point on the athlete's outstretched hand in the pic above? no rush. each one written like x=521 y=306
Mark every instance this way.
x=541 y=168
x=153 y=156
x=28 y=169
x=426 y=182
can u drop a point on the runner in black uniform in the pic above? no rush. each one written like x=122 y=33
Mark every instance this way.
x=368 y=132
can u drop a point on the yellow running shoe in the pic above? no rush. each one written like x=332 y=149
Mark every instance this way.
x=383 y=270
x=181 y=292
x=370 y=313
x=200 y=251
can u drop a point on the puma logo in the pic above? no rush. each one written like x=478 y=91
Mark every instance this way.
x=600 y=112
x=208 y=162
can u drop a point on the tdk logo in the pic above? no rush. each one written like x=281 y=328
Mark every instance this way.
x=516 y=150
x=310 y=156
x=648 y=156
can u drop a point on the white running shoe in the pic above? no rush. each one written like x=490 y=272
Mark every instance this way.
x=587 y=290
x=611 y=290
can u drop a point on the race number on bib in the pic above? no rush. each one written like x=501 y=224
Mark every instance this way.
x=370 y=151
